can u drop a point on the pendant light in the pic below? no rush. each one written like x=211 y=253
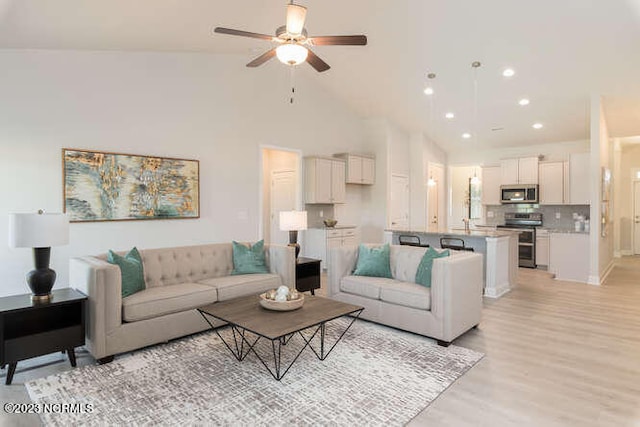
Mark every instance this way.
x=475 y=65
x=431 y=182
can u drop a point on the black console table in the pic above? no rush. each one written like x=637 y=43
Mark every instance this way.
x=307 y=274
x=29 y=329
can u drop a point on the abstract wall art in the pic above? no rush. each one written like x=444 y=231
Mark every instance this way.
x=101 y=186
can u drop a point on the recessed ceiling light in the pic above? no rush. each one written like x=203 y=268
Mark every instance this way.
x=523 y=101
x=428 y=90
x=466 y=135
x=537 y=126
x=449 y=115
x=508 y=72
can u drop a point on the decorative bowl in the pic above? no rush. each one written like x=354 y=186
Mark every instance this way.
x=330 y=222
x=274 y=305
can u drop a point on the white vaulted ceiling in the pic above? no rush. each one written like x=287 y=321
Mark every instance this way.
x=562 y=51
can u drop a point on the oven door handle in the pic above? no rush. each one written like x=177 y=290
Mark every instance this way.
x=525 y=244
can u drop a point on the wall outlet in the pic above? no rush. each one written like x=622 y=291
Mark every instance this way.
x=489 y=214
x=321 y=214
x=558 y=215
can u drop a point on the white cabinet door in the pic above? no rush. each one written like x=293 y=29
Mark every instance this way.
x=551 y=183
x=338 y=188
x=509 y=171
x=491 y=178
x=334 y=242
x=399 y=209
x=542 y=250
x=566 y=187
x=579 y=167
x=368 y=170
x=528 y=170
x=354 y=169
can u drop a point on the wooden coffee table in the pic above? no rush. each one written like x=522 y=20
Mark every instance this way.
x=250 y=323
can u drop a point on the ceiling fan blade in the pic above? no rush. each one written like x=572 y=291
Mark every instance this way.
x=356 y=40
x=317 y=63
x=262 y=58
x=233 y=32
x=296 y=15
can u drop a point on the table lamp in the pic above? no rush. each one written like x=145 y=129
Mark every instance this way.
x=293 y=221
x=39 y=231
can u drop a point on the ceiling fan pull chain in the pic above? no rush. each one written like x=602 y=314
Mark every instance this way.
x=292 y=83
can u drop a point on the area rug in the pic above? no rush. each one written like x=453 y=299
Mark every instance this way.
x=374 y=376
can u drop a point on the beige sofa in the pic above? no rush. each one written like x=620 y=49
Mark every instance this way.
x=178 y=280
x=445 y=311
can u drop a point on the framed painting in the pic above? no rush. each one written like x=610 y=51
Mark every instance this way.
x=102 y=186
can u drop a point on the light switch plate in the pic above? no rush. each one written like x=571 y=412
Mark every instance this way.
x=558 y=215
x=489 y=214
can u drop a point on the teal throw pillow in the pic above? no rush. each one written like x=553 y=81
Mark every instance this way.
x=249 y=259
x=131 y=270
x=373 y=262
x=423 y=275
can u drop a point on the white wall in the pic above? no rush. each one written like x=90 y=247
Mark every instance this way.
x=459 y=179
x=196 y=106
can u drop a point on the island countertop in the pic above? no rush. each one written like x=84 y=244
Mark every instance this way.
x=474 y=232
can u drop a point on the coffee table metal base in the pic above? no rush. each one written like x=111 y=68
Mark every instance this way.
x=241 y=345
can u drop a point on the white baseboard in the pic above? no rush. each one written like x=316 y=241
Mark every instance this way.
x=626 y=252
x=497 y=292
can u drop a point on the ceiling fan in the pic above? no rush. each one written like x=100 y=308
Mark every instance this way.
x=293 y=42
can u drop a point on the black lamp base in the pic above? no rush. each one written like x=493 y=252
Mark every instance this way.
x=293 y=241
x=41 y=279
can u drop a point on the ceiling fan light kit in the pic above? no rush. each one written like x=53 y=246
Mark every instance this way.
x=293 y=41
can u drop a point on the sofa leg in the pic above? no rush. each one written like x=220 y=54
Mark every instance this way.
x=105 y=360
x=444 y=343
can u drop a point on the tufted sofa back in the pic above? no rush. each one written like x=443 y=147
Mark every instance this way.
x=171 y=266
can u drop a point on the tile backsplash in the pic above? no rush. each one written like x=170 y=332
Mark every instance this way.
x=314 y=212
x=549 y=220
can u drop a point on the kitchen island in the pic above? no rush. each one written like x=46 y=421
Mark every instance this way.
x=499 y=248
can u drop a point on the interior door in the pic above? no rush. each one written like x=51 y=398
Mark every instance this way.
x=636 y=217
x=283 y=198
x=432 y=205
x=399 y=209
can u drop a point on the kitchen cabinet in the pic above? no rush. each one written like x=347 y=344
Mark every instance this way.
x=491 y=179
x=569 y=256
x=542 y=247
x=324 y=180
x=551 y=181
x=523 y=170
x=566 y=183
x=579 y=168
x=360 y=168
x=318 y=242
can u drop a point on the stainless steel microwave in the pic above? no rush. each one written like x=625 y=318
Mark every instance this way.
x=524 y=193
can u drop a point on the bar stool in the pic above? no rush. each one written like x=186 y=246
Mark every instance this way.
x=454 y=243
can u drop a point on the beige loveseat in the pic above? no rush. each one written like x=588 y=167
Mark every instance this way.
x=178 y=280
x=445 y=311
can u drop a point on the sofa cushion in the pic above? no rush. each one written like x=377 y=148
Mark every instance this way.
x=131 y=271
x=161 y=300
x=365 y=286
x=373 y=261
x=249 y=259
x=243 y=284
x=406 y=294
x=423 y=275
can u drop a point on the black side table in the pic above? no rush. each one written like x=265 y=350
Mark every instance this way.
x=307 y=274
x=29 y=329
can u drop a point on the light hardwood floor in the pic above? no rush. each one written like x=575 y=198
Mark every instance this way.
x=556 y=354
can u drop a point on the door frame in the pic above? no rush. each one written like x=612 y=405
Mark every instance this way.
x=634 y=225
x=299 y=183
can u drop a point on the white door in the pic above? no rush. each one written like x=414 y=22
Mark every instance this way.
x=399 y=210
x=636 y=217
x=432 y=205
x=283 y=198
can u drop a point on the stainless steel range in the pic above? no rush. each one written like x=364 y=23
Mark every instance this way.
x=525 y=224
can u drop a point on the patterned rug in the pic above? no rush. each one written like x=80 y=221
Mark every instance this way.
x=374 y=376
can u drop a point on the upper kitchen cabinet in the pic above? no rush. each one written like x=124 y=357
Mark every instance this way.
x=360 y=169
x=579 y=166
x=519 y=171
x=551 y=177
x=491 y=179
x=324 y=180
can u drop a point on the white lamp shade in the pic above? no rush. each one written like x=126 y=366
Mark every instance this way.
x=35 y=230
x=293 y=220
x=291 y=53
